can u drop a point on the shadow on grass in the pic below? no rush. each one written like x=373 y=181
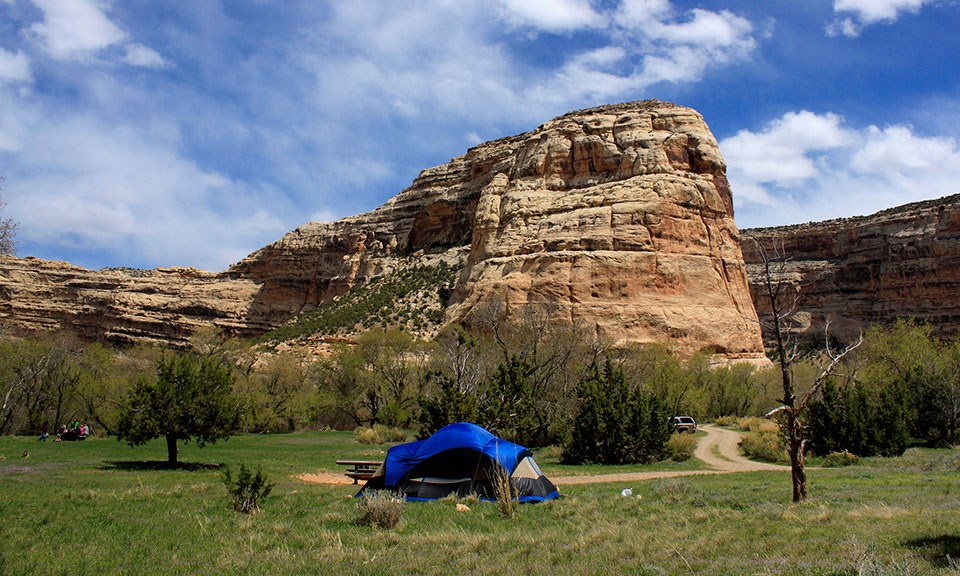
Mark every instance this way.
x=148 y=466
x=940 y=551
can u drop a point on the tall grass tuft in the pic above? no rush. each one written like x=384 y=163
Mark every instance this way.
x=380 y=509
x=506 y=494
x=754 y=424
x=672 y=490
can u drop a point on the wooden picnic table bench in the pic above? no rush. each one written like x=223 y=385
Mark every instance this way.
x=360 y=469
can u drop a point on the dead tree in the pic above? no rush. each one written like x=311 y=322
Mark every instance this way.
x=783 y=307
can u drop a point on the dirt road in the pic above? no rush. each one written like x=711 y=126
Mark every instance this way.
x=718 y=451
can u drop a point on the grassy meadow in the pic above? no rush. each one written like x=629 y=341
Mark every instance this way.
x=101 y=507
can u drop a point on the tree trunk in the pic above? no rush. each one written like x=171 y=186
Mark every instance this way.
x=797 y=471
x=171 y=449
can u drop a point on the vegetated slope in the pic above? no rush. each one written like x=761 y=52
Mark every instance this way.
x=413 y=298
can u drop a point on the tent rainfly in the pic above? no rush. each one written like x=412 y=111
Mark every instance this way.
x=462 y=459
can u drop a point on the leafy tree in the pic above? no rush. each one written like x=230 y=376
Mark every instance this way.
x=393 y=361
x=731 y=390
x=454 y=383
x=340 y=381
x=189 y=398
x=378 y=381
x=662 y=373
x=276 y=396
x=908 y=360
x=39 y=382
x=8 y=231
x=554 y=354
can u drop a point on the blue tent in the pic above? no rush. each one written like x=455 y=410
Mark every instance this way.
x=461 y=458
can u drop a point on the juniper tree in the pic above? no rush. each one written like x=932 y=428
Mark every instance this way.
x=190 y=398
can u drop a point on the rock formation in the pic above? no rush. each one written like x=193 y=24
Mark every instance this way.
x=166 y=305
x=857 y=272
x=618 y=217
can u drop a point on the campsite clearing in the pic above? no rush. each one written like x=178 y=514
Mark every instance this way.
x=884 y=515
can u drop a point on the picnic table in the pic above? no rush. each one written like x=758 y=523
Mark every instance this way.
x=360 y=469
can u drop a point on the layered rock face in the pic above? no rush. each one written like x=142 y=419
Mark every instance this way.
x=125 y=306
x=857 y=272
x=618 y=217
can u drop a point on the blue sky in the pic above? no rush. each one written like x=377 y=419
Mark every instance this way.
x=158 y=133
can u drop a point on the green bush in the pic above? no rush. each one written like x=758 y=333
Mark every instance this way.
x=860 y=420
x=838 y=459
x=379 y=434
x=681 y=446
x=247 y=490
x=730 y=421
x=617 y=425
x=380 y=509
x=767 y=446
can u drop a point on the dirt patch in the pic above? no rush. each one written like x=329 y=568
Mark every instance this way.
x=324 y=478
x=23 y=469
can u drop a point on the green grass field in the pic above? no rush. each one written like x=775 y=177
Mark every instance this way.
x=101 y=507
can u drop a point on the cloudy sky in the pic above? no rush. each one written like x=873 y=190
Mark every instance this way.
x=151 y=133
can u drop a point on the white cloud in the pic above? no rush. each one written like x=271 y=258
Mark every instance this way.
x=896 y=151
x=783 y=153
x=551 y=15
x=704 y=28
x=14 y=67
x=75 y=29
x=867 y=12
x=444 y=56
x=140 y=55
x=637 y=13
x=805 y=166
x=126 y=190
x=328 y=107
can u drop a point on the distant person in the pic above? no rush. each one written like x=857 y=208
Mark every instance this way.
x=44 y=432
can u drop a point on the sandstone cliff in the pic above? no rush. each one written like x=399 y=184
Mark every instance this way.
x=166 y=305
x=857 y=272
x=618 y=217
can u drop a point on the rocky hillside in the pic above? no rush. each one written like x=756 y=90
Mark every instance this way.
x=856 y=272
x=618 y=217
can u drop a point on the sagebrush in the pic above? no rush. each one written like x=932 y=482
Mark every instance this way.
x=380 y=509
x=247 y=490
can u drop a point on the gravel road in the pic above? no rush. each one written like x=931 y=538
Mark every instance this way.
x=718 y=451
